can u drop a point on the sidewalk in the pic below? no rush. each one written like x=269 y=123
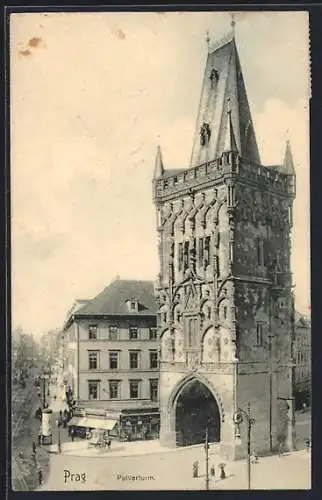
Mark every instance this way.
x=82 y=448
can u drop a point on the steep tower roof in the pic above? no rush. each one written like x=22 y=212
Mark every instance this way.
x=288 y=164
x=223 y=86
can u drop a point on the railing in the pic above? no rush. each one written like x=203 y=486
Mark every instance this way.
x=227 y=164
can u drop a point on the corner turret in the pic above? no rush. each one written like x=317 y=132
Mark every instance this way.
x=159 y=167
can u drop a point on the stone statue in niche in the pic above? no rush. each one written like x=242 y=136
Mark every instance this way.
x=214 y=77
x=205 y=134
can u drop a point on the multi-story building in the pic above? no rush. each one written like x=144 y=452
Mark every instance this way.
x=224 y=288
x=302 y=359
x=111 y=355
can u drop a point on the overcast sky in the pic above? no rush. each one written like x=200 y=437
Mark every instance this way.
x=92 y=95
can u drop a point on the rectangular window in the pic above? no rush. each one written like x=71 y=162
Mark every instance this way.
x=93 y=360
x=134 y=389
x=113 y=360
x=113 y=332
x=259 y=334
x=180 y=256
x=207 y=251
x=92 y=389
x=133 y=305
x=134 y=360
x=92 y=332
x=152 y=333
x=153 y=359
x=200 y=252
x=154 y=389
x=133 y=332
x=114 y=389
x=186 y=255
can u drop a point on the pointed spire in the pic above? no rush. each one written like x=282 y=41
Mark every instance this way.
x=208 y=39
x=213 y=108
x=233 y=24
x=159 y=168
x=288 y=164
x=230 y=141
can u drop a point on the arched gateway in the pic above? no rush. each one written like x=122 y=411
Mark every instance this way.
x=196 y=409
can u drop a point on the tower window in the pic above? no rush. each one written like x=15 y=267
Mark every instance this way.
x=200 y=252
x=259 y=334
x=225 y=312
x=186 y=255
x=260 y=252
x=207 y=250
x=231 y=251
x=180 y=256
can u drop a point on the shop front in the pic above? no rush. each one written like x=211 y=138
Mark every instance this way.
x=137 y=426
x=92 y=423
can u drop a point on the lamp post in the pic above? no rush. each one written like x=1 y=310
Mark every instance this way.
x=207 y=459
x=58 y=422
x=44 y=377
x=239 y=417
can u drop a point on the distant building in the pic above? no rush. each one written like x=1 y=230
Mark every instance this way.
x=302 y=358
x=111 y=356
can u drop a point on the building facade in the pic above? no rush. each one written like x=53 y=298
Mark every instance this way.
x=111 y=355
x=224 y=288
x=302 y=358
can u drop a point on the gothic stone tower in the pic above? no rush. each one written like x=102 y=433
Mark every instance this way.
x=224 y=290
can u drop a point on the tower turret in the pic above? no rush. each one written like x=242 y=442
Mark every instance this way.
x=158 y=168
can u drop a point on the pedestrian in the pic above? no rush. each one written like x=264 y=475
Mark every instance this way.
x=39 y=476
x=212 y=472
x=60 y=414
x=72 y=434
x=109 y=444
x=33 y=447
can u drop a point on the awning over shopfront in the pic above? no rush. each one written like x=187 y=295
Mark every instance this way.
x=93 y=423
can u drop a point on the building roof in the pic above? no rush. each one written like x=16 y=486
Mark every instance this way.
x=223 y=88
x=113 y=300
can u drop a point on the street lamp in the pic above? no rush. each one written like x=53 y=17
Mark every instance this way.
x=239 y=417
x=207 y=459
x=58 y=422
x=44 y=378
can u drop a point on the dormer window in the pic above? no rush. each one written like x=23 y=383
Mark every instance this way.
x=132 y=305
x=214 y=76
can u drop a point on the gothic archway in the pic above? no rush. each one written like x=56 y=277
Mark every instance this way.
x=195 y=410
